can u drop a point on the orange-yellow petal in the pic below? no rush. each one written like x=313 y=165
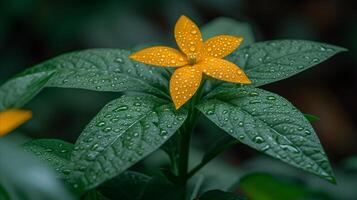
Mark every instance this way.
x=12 y=118
x=223 y=70
x=221 y=45
x=188 y=38
x=160 y=56
x=183 y=84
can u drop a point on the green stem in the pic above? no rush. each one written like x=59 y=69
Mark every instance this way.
x=206 y=159
x=185 y=138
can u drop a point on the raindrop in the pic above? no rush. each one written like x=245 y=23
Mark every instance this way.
x=107 y=129
x=258 y=139
x=289 y=148
x=120 y=108
x=210 y=112
x=265 y=148
x=100 y=124
x=254 y=101
x=163 y=133
x=66 y=171
x=271 y=98
x=119 y=60
x=241 y=137
x=254 y=94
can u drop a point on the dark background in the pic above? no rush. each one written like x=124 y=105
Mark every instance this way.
x=32 y=31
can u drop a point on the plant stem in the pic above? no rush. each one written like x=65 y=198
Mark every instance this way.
x=185 y=138
x=207 y=159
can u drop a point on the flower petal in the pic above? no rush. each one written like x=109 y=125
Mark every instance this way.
x=221 y=45
x=11 y=119
x=183 y=84
x=160 y=56
x=223 y=70
x=188 y=38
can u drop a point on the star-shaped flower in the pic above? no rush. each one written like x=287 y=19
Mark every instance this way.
x=11 y=119
x=195 y=58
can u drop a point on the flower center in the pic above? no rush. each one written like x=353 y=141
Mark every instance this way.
x=192 y=59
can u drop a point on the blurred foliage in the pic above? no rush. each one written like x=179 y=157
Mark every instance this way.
x=24 y=177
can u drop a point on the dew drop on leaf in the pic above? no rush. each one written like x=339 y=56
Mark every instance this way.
x=289 y=148
x=210 y=112
x=100 y=124
x=258 y=139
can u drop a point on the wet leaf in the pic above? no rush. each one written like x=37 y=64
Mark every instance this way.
x=19 y=90
x=95 y=69
x=270 y=124
x=271 y=61
x=56 y=153
x=124 y=132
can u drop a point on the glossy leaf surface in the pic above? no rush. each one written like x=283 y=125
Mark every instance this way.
x=268 y=123
x=95 y=69
x=124 y=132
x=271 y=61
x=56 y=153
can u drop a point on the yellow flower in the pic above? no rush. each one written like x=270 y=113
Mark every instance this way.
x=11 y=119
x=195 y=58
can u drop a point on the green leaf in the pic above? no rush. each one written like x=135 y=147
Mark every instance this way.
x=227 y=26
x=312 y=118
x=263 y=186
x=268 y=123
x=56 y=153
x=271 y=61
x=128 y=185
x=95 y=69
x=24 y=177
x=19 y=90
x=220 y=195
x=124 y=132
